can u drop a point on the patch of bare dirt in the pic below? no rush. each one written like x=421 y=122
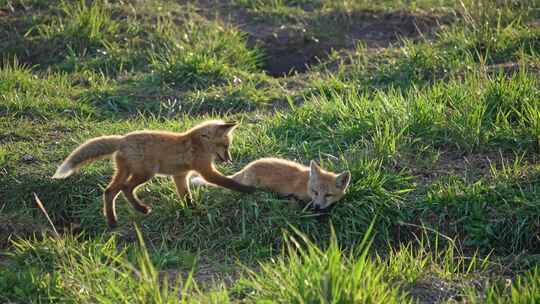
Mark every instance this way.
x=12 y=228
x=436 y=290
x=12 y=137
x=293 y=45
x=507 y=68
x=206 y=274
x=295 y=48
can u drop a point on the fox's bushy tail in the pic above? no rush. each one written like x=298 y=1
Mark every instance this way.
x=91 y=150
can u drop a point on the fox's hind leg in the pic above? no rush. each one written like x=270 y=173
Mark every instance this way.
x=182 y=186
x=111 y=192
x=134 y=181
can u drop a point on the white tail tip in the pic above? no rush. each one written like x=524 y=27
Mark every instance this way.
x=63 y=171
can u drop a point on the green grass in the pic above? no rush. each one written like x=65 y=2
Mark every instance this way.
x=211 y=53
x=314 y=276
x=81 y=27
x=523 y=290
x=441 y=133
x=75 y=271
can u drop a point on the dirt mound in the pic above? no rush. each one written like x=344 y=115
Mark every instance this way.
x=294 y=48
x=292 y=43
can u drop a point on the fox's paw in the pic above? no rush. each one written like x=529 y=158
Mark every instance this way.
x=197 y=180
x=112 y=223
x=144 y=209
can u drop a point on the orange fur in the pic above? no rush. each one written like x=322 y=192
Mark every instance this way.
x=140 y=155
x=289 y=178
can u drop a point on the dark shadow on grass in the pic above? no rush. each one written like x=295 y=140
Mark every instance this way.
x=66 y=201
x=13 y=42
x=148 y=96
x=295 y=47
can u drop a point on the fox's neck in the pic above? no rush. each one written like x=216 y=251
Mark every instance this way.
x=303 y=185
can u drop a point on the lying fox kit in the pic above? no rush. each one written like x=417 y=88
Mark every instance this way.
x=140 y=155
x=288 y=178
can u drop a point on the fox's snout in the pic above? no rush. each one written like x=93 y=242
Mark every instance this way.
x=319 y=207
x=225 y=158
x=322 y=209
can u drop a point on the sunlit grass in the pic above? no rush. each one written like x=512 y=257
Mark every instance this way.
x=441 y=135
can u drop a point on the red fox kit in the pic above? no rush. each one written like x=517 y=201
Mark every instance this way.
x=140 y=155
x=288 y=178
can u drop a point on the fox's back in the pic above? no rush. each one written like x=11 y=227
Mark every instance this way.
x=150 y=137
x=279 y=175
x=159 y=150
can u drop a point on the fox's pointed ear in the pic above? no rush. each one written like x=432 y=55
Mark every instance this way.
x=314 y=169
x=343 y=180
x=227 y=127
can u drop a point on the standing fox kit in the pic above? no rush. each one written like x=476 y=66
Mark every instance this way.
x=140 y=155
x=288 y=178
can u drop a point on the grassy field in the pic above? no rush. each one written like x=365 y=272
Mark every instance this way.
x=433 y=105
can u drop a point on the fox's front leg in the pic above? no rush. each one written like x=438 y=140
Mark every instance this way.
x=182 y=186
x=215 y=177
